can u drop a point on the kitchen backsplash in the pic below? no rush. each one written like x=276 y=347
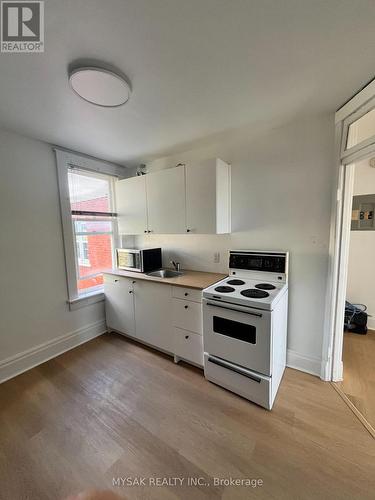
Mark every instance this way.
x=195 y=252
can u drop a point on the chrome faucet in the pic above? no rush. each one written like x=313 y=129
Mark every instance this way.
x=176 y=265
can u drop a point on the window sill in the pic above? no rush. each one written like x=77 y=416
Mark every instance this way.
x=86 y=300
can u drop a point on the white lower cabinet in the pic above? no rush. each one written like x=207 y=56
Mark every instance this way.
x=187 y=315
x=152 y=313
x=153 y=319
x=192 y=294
x=187 y=322
x=119 y=304
x=188 y=346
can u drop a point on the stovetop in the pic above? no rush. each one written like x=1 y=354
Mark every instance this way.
x=256 y=293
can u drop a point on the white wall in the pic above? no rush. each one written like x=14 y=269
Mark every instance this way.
x=281 y=199
x=361 y=270
x=33 y=305
x=281 y=186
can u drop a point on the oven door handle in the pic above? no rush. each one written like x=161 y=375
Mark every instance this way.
x=258 y=315
x=237 y=369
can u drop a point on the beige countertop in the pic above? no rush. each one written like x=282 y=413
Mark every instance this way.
x=190 y=279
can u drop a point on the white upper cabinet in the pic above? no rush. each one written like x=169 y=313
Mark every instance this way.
x=185 y=199
x=131 y=205
x=166 y=201
x=208 y=197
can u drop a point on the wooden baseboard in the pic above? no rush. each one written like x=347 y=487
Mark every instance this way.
x=354 y=409
x=23 y=361
x=30 y=358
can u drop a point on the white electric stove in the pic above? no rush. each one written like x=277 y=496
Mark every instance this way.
x=245 y=325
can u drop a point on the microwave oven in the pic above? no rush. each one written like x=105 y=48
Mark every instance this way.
x=139 y=260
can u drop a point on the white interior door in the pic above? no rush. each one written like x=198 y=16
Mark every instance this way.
x=166 y=201
x=131 y=205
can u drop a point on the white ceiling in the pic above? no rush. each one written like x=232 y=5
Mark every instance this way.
x=197 y=67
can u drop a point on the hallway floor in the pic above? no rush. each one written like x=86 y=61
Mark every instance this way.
x=359 y=373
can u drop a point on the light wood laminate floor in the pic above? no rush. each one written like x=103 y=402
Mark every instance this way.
x=112 y=408
x=359 y=373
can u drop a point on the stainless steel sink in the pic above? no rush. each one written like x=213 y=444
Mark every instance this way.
x=165 y=273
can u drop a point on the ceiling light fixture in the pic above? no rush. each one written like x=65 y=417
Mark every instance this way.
x=100 y=86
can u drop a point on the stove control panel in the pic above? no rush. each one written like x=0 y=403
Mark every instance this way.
x=272 y=262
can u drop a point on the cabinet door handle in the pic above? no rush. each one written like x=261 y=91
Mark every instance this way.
x=145 y=230
x=186 y=336
x=116 y=281
x=186 y=294
x=130 y=291
x=134 y=282
x=186 y=307
x=188 y=230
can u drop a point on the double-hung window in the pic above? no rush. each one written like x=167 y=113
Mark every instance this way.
x=89 y=223
x=92 y=211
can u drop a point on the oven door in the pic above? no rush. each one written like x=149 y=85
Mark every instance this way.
x=238 y=334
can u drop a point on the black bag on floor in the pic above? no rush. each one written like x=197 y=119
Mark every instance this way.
x=355 y=318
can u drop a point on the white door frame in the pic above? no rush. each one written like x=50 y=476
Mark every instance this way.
x=344 y=243
x=359 y=105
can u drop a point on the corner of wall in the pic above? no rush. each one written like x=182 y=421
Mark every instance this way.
x=307 y=364
x=23 y=361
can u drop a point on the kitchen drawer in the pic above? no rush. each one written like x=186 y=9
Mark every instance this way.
x=250 y=385
x=188 y=345
x=193 y=294
x=187 y=315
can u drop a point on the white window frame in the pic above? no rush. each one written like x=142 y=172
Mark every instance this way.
x=65 y=160
x=351 y=119
x=113 y=233
x=82 y=261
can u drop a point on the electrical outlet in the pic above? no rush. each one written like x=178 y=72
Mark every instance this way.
x=216 y=257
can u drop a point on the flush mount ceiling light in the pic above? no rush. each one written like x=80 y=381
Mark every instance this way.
x=100 y=86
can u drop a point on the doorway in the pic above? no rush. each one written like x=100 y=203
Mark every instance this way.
x=355 y=143
x=358 y=353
